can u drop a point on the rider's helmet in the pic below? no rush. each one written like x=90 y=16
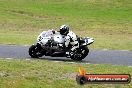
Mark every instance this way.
x=64 y=30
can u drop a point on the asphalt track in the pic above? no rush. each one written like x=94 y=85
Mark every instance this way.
x=114 y=57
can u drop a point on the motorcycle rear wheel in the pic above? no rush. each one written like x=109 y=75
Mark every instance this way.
x=34 y=52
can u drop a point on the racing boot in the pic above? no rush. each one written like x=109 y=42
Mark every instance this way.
x=67 y=51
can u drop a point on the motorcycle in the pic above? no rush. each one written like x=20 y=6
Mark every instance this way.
x=54 y=46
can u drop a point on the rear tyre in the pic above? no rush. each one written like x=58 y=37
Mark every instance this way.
x=79 y=54
x=34 y=52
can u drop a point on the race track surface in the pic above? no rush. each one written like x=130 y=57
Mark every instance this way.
x=114 y=57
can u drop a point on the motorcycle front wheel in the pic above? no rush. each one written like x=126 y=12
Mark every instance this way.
x=79 y=54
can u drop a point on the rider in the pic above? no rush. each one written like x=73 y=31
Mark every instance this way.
x=70 y=38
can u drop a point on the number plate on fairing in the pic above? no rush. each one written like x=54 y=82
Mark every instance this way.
x=88 y=40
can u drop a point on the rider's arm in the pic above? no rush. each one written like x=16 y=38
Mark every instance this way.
x=67 y=41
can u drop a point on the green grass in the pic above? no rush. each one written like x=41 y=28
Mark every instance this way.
x=109 y=22
x=48 y=74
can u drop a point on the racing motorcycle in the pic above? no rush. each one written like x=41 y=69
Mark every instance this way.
x=54 y=46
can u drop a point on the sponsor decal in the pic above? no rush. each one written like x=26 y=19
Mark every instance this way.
x=83 y=78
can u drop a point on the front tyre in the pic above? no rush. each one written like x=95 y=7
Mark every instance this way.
x=79 y=54
x=34 y=52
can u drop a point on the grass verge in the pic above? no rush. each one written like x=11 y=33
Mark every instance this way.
x=109 y=22
x=48 y=74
